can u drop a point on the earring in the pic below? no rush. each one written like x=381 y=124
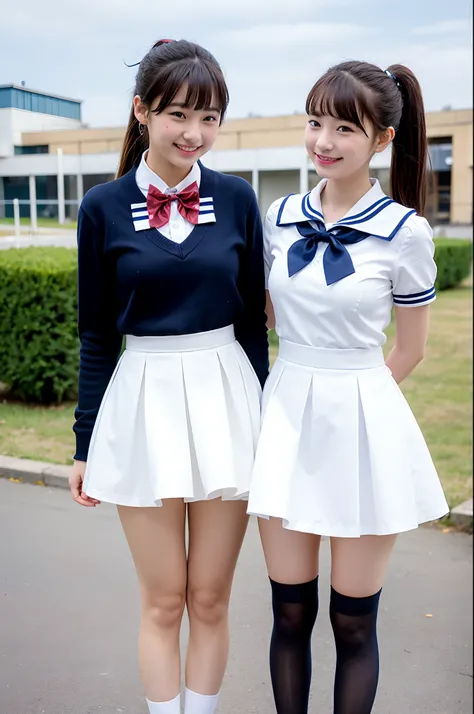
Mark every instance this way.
x=141 y=129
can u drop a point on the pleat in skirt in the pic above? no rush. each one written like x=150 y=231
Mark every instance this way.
x=180 y=419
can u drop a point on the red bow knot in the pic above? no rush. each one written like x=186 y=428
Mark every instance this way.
x=158 y=205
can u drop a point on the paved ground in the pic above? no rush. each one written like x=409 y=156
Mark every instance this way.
x=68 y=618
x=46 y=237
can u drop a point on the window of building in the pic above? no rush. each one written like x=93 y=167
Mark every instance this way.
x=14 y=98
x=38 y=149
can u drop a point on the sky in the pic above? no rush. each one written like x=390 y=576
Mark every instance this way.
x=271 y=51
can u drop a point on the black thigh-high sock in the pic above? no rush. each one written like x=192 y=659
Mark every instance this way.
x=294 y=610
x=354 y=623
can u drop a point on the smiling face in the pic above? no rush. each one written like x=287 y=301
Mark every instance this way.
x=337 y=148
x=344 y=131
x=179 y=135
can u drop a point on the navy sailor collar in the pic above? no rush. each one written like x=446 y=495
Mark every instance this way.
x=375 y=213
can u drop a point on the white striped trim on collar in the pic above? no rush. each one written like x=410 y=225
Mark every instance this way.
x=381 y=218
x=141 y=220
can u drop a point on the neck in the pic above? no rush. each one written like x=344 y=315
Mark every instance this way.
x=170 y=174
x=340 y=195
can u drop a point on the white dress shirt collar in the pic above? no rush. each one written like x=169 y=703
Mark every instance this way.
x=145 y=176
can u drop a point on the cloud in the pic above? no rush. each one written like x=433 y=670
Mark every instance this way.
x=280 y=36
x=443 y=28
x=272 y=51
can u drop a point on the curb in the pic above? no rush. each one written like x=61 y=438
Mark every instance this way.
x=42 y=473
x=462 y=514
x=38 y=473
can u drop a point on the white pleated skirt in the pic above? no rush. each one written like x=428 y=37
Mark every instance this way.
x=180 y=419
x=340 y=453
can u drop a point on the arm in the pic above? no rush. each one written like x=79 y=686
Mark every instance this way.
x=411 y=336
x=270 y=313
x=413 y=292
x=100 y=339
x=251 y=329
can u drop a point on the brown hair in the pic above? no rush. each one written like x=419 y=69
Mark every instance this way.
x=358 y=91
x=161 y=74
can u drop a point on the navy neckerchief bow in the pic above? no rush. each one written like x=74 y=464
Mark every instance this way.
x=337 y=262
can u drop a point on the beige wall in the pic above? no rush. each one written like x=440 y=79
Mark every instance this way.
x=461 y=177
x=264 y=132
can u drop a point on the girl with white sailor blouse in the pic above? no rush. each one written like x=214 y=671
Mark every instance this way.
x=170 y=256
x=340 y=453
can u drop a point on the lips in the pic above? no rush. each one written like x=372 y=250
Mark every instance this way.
x=187 y=149
x=327 y=160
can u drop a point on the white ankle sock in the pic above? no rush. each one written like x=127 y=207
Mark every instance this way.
x=200 y=703
x=171 y=707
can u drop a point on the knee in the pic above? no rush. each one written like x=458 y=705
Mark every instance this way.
x=163 y=611
x=295 y=608
x=354 y=620
x=208 y=606
x=351 y=631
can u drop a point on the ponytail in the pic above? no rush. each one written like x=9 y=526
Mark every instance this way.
x=408 y=171
x=134 y=144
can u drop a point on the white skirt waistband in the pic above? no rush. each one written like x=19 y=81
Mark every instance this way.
x=182 y=343
x=325 y=358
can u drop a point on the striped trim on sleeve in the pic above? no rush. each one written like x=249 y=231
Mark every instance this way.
x=415 y=298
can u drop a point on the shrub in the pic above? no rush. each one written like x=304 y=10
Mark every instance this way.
x=453 y=258
x=39 y=347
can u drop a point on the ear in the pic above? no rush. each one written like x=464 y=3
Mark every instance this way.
x=384 y=139
x=140 y=110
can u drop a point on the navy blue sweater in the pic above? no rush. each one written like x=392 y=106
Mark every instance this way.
x=140 y=283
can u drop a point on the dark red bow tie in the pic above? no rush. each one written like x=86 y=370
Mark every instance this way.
x=158 y=205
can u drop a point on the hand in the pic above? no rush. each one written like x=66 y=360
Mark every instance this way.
x=76 y=480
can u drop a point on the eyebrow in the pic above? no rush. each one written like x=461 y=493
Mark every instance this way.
x=186 y=106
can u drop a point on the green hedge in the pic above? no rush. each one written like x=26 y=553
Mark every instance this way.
x=454 y=259
x=39 y=347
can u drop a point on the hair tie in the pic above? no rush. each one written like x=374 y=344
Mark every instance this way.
x=162 y=42
x=395 y=79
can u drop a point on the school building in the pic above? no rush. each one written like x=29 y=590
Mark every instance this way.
x=48 y=157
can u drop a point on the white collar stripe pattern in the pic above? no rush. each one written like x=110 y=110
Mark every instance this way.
x=206 y=210
x=380 y=203
x=309 y=211
x=353 y=221
x=141 y=219
x=282 y=208
x=375 y=213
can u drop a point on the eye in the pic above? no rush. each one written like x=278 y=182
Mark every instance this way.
x=343 y=129
x=178 y=115
x=313 y=123
x=211 y=119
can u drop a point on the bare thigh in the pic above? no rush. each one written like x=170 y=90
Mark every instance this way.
x=156 y=538
x=359 y=565
x=216 y=532
x=291 y=557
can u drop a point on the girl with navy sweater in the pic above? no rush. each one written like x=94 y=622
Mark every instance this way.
x=171 y=265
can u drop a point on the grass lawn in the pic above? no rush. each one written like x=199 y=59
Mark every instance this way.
x=439 y=392
x=42 y=222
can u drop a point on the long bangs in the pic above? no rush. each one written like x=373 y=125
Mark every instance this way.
x=339 y=95
x=206 y=86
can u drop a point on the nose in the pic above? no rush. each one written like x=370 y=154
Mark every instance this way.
x=192 y=134
x=324 y=143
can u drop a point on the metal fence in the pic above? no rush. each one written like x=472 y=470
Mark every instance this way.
x=58 y=211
